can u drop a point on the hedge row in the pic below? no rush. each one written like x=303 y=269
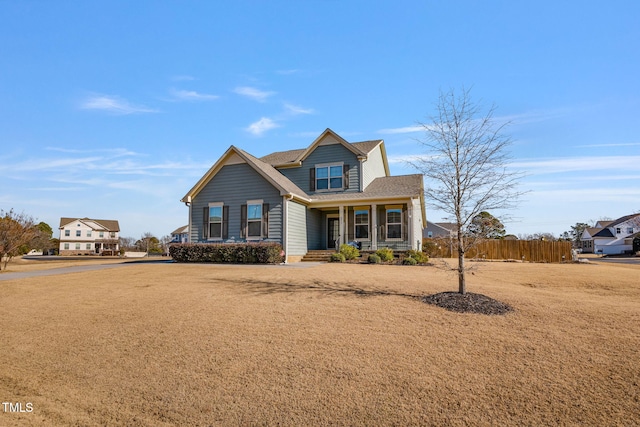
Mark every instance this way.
x=234 y=253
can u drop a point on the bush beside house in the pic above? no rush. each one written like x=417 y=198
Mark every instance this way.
x=231 y=253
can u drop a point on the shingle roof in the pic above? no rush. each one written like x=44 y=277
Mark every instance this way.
x=382 y=187
x=605 y=232
x=623 y=219
x=108 y=224
x=273 y=174
x=181 y=230
x=280 y=158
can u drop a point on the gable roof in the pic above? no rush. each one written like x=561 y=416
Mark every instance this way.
x=623 y=219
x=106 y=224
x=268 y=172
x=605 y=232
x=181 y=230
x=295 y=157
x=399 y=186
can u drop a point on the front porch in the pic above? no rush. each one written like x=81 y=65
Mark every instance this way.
x=372 y=226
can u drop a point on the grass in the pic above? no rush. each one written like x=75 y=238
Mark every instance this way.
x=334 y=344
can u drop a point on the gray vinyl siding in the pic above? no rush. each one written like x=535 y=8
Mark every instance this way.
x=316 y=229
x=373 y=167
x=296 y=229
x=233 y=185
x=322 y=155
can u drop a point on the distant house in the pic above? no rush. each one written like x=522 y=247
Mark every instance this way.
x=86 y=236
x=312 y=198
x=180 y=235
x=439 y=229
x=613 y=237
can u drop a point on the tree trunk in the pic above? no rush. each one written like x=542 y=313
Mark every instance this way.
x=462 y=285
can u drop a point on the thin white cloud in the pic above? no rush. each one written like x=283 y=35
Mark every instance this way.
x=295 y=109
x=288 y=72
x=629 y=144
x=575 y=164
x=114 y=105
x=191 y=95
x=253 y=93
x=182 y=78
x=261 y=126
x=406 y=129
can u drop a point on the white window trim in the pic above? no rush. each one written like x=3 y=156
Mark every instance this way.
x=215 y=205
x=386 y=221
x=255 y=202
x=362 y=208
x=328 y=166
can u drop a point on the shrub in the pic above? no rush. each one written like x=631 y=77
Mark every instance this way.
x=385 y=254
x=349 y=251
x=373 y=259
x=420 y=257
x=236 y=253
x=337 y=257
x=409 y=261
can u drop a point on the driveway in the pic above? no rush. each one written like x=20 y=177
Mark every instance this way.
x=631 y=260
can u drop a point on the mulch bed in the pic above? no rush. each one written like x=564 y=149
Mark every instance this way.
x=468 y=303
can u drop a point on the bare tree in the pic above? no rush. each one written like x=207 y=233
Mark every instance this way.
x=16 y=231
x=465 y=166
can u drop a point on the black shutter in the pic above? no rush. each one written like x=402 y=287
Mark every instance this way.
x=243 y=221
x=205 y=222
x=265 y=220
x=225 y=222
x=312 y=179
x=345 y=176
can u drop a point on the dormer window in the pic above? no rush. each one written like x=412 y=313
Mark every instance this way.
x=329 y=177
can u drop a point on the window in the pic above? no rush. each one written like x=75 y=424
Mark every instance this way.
x=66 y=246
x=112 y=234
x=88 y=233
x=394 y=223
x=101 y=234
x=88 y=246
x=618 y=230
x=215 y=222
x=429 y=234
x=254 y=220
x=67 y=233
x=78 y=233
x=329 y=177
x=630 y=230
x=77 y=246
x=361 y=222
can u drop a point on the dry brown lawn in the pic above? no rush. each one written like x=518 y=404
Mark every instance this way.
x=172 y=344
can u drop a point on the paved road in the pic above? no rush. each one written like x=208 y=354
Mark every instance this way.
x=80 y=268
x=617 y=260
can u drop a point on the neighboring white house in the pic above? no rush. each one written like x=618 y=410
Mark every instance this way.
x=85 y=236
x=180 y=235
x=612 y=237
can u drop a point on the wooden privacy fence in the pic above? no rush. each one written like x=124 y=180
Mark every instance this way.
x=522 y=250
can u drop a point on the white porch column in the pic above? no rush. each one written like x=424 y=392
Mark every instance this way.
x=342 y=227
x=374 y=227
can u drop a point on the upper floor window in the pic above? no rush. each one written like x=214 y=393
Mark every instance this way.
x=112 y=234
x=630 y=230
x=67 y=233
x=88 y=233
x=361 y=222
x=394 y=223
x=78 y=233
x=618 y=230
x=329 y=177
x=101 y=234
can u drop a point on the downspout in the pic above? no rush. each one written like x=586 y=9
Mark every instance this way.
x=285 y=226
x=189 y=228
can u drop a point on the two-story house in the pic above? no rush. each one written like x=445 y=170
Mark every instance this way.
x=318 y=197
x=613 y=237
x=85 y=236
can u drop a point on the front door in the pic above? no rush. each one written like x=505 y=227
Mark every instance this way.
x=333 y=232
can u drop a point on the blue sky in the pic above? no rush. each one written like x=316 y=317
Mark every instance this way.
x=113 y=109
